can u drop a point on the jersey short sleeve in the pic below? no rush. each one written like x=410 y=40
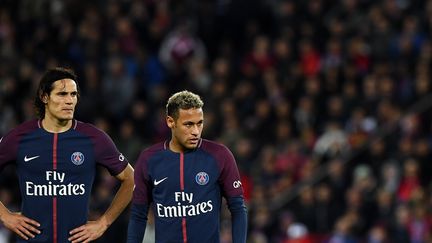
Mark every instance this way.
x=8 y=149
x=142 y=192
x=229 y=177
x=106 y=153
x=10 y=142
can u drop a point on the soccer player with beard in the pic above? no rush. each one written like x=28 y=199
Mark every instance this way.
x=56 y=158
x=184 y=179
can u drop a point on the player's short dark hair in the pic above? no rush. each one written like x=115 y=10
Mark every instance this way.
x=46 y=86
x=182 y=100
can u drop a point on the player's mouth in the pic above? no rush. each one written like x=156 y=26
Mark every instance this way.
x=194 y=140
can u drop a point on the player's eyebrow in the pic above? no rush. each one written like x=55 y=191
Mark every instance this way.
x=62 y=92
x=191 y=122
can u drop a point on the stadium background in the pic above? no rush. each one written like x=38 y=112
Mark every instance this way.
x=325 y=104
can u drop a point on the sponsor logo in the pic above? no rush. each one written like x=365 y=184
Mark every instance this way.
x=77 y=158
x=159 y=181
x=27 y=159
x=237 y=184
x=184 y=207
x=202 y=178
x=121 y=157
x=54 y=186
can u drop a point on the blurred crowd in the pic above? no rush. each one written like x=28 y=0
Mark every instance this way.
x=325 y=103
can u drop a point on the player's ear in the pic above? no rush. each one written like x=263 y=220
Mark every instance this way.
x=44 y=98
x=170 y=121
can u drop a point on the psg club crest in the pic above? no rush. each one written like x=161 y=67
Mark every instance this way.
x=202 y=178
x=77 y=158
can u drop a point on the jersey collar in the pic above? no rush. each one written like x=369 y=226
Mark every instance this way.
x=74 y=124
x=166 y=144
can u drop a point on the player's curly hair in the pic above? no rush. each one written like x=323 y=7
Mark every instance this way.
x=182 y=100
x=46 y=86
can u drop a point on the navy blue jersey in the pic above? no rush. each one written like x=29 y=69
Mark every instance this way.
x=186 y=189
x=56 y=173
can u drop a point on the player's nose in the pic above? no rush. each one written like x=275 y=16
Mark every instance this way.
x=69 y=99
x=195 y=130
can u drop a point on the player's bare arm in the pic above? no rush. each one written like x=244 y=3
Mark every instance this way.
x=94 y=229
x=21 y=225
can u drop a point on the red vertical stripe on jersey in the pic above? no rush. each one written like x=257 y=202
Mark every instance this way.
x=184 y=230
x=55 y=151
x=182 y=188
x=54 y=198
x=54 y=220
x=181 y=171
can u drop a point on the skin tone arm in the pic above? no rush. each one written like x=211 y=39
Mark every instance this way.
x=21 y=225
x=94 y=229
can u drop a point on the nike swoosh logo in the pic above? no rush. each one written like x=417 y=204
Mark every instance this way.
x=30 y=158
x=159 y=181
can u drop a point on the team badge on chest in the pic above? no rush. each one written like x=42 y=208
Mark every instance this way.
x=77 y=158
x=202 y=178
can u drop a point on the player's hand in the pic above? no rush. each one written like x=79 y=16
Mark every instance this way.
x=21 y=225
x=88 y=232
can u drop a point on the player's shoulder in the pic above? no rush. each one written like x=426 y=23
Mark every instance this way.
x=213 y=147
x=29 y=125
x=24 y=128
x=150 y=152
x=153 y=149
x=218 y=151
x=88 y=129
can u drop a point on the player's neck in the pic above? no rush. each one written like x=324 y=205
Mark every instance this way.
x=53 y=125
x=175 y=147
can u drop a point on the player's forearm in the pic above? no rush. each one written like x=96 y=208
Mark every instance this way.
x=121 y=199
x=239 y=219
x=3 y=211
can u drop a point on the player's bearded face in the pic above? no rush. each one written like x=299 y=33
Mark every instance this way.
x=187 y=129
x=61 y=102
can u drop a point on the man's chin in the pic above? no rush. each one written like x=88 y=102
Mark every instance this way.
x=192 y=146
x=66 y=118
